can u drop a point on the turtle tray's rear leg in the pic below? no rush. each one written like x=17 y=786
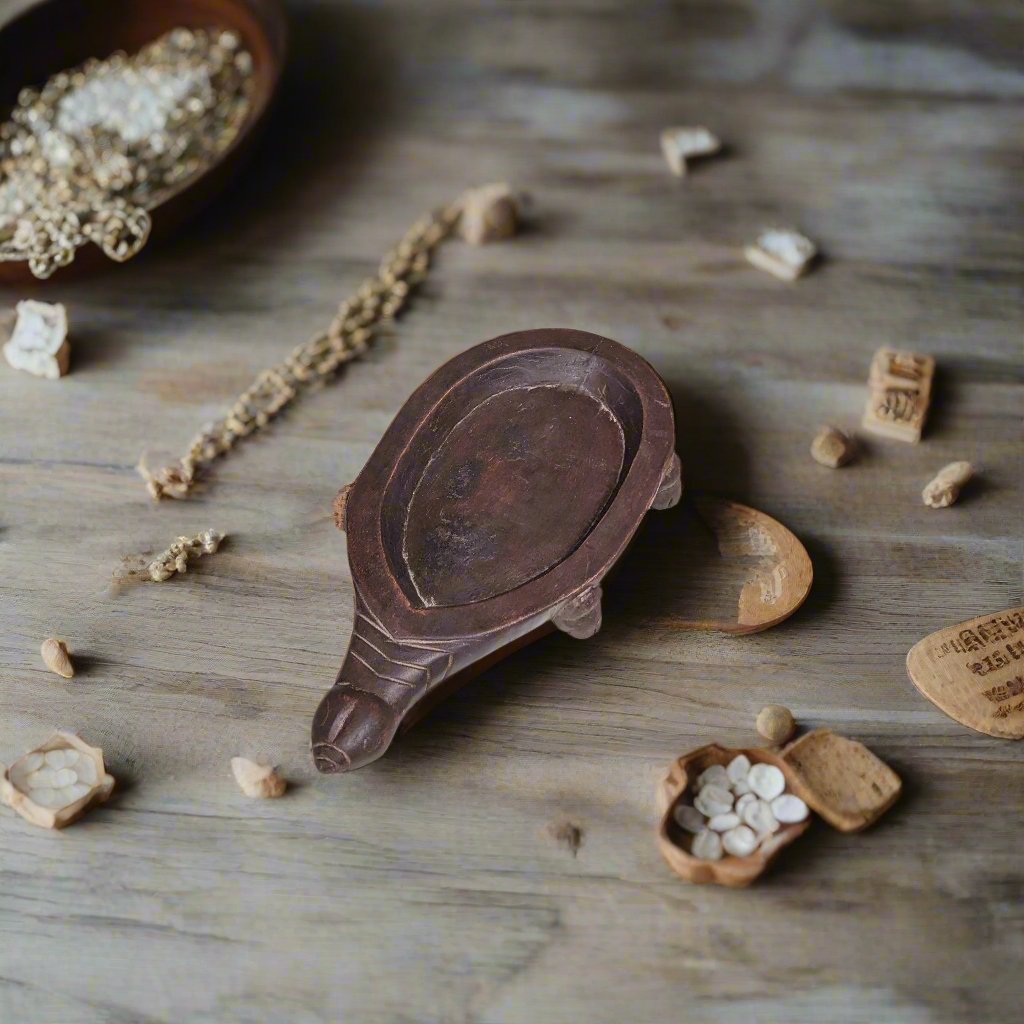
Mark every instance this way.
x=380 y=681
x=671 y=489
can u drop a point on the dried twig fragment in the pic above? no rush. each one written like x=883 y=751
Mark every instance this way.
x=39 y=342
x=257 y=780
x=57 y=782
x=944 y=489
x=489 y=214
x=899 y=392
x=685 y=143
x=831 y=447
x=785 y=253
x=56 y=658
x=775 y=723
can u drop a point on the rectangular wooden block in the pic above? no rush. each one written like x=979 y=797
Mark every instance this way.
x=899 y=392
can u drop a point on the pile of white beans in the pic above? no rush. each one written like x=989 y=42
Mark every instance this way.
x=737 y=807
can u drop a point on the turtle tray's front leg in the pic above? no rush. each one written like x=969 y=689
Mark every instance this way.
x=380 y=681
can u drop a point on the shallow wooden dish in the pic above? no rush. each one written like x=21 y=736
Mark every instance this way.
x=507 y=486
x=58 y=34
x=674 y=841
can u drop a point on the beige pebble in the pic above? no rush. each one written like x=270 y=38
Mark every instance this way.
x=257 y=780
x=56 y=658
x=831 y=447
x=944 y=489
x=489 y=214
x=775 y=723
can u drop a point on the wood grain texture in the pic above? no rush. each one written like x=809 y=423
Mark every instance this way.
x=429 y=887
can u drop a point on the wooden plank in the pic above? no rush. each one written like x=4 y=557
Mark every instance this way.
x=431 y=887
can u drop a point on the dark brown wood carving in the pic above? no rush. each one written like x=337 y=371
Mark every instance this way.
x=503 y=492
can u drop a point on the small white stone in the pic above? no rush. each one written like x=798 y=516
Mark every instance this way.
x=689 y=818
x=64 y=777
x=86 y=770
x=740 y=841
x=70 y=757
x=47 y=797
x=724 y=822
x=738 y=769
x=707 y=845
x=759 y=817
x=42 y=778
x=30 y=762
x=744 y=801
x=715 y=775
x=55 y=758
x=789 y=808
x=712 y=800
x=766 y=781
x=741 y=788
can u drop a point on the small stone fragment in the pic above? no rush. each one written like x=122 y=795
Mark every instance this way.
x=712 y=800
x=39 y=343
x=740 y=841
x=715 y=775
x=683 y=144
x=775 y=723
x=782 y=252
x=724 y=822
x=944 y=489
x=257 y=780
x=489 y=214
x=766 y=780
x=831 y=447
x=789 y=808
x=56 y=658
x=689 y=818
x=738 y=769
x=56 y=783
x=707 y=845
x=760 y=818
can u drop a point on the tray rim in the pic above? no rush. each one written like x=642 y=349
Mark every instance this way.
x=383 y=595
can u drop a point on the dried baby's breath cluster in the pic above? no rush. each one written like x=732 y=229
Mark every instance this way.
x=349 y=334
x=87 y=155
x=175 y=559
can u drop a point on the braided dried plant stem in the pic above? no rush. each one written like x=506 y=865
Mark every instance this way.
x=379 y=300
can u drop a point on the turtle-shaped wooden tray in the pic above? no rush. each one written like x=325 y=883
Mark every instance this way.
x=507 y=486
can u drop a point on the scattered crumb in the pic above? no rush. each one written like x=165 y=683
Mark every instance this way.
x=39 y=344
x=56 y=658
x=489 y=214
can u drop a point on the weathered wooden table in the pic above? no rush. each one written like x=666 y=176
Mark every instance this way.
x=432 y=886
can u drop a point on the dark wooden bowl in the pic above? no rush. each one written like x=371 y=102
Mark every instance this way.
x=504 y=491
x=58 y=34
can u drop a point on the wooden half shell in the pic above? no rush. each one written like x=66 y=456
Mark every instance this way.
x=674 y=842
x=59 y=799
